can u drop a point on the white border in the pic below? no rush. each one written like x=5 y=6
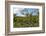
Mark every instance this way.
x=29 y=28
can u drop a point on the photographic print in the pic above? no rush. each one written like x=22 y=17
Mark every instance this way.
x=25 y=17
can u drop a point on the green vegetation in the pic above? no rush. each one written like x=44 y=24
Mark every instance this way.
x=28 y=21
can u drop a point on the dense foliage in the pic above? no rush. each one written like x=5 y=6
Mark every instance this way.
x=28 y=21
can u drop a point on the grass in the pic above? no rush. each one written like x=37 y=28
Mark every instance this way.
x=32 y=21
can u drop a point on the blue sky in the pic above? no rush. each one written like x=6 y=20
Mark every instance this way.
x=19 y=11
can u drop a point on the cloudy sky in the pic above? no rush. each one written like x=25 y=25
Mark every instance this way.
x=18 y=11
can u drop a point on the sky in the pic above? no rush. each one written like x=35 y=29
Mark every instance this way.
x=19 y=11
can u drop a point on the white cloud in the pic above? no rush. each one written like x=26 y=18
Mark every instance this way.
x=17 y=11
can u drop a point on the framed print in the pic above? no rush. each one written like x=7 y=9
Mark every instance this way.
x=24 y=17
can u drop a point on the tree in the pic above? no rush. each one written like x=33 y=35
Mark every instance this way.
x=27 y=14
